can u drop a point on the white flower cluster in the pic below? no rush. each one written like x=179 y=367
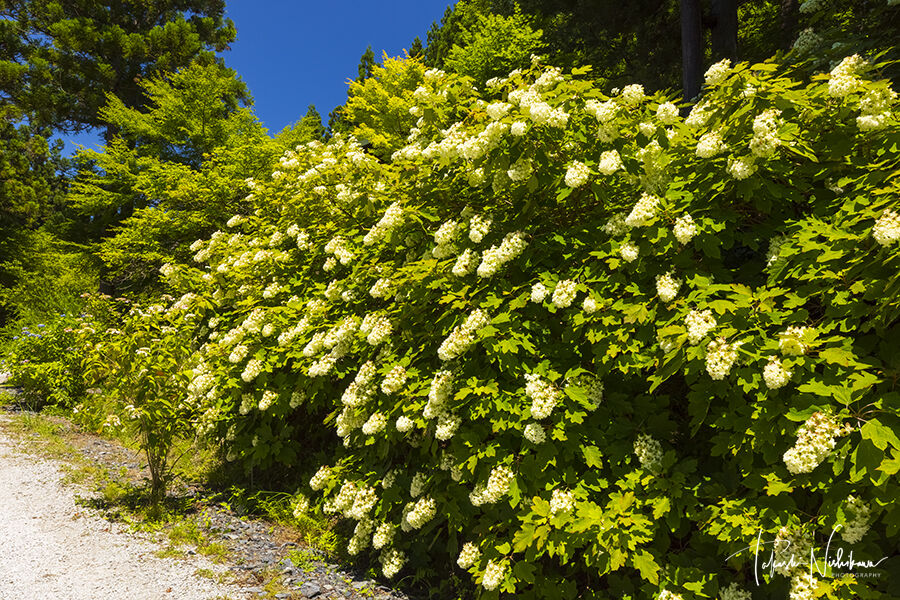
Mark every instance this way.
x=667 y=287
x=321 y=477
x=741 y=168
x=667 y=595
x=875 y=108
x=463 y=336
x=497 y=110
x=807 y=42
x=391 y=562
x=710 y=145
x=268 y=399
x=540 y=112
x=577 y=174
x=439 y=394
x=858 y=520
x=521 y=169
x=803 y=587
x=377 y=328
x=699 y=115
x=791 y=343
x=791 y=550
x=421 y=512
x=602 y=111
x=447 y=424
x=615 y=225
x=667 y=113
x=238 y=353
x=394 y=380
x=465 y=263
x=815 y=441
x=360 y=539
x=843 y=77
x=649 y=452
x=534 y=433
x=392 y=218
x=564 y=293
x=887 y=228
x=561 y=501
x=445 y=238
x=348 y=421
x=497 y=485
x=236 y=220
x=628 y=251
x=539 y=291
x=720 y=357
x=775 y=375
x=374 y=424
x=496 y=256
x=717 y=73
x=338 y=246
x=644 y=212
x=418 y=484
x=252 y=370
x=632 y=94
x=494 y=574
x=610 y=162
x=685 y=229
x=363 y=502
x=381 y=288
x=479 y=227
x=383 y=536
x=468 y=556
x=734 y=592
x=544 y=396
x=403 y=424
x=699 y=323
x=247 y=403
x=765 y=140
x=590 y=306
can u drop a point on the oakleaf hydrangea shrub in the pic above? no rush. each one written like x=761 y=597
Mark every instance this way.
x=570 y=344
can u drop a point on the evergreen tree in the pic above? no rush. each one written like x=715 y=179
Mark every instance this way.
x=310 y=126
x=366 y=64
x=138 y=197
x=416 y=50
x=59 y=58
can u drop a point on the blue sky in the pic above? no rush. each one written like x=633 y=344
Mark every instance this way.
x=292 y=53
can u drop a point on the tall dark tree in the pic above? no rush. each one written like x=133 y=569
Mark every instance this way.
x=310 y=126
x=416 y=49
x=366 y=64
x=724 y=29
x=59 y=58
x=691 y=48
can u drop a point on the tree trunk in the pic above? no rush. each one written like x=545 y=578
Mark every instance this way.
x=788 y=23
x=691 y=48
x=724 y=29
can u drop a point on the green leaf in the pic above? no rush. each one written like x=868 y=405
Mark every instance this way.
x=592 y=456
x=643 y=562
x=838 y=356
x=880 y=435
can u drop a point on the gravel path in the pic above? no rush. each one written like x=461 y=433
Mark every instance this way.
x=52 y=548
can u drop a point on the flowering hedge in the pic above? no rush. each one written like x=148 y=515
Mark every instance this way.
x=573 y=343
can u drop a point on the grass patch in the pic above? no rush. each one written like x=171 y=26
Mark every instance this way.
x=170 y=552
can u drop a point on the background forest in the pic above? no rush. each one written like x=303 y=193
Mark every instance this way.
x=715 y=181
